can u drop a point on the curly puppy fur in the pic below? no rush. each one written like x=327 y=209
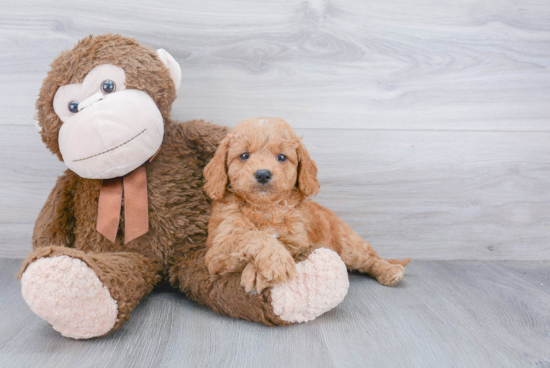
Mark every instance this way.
x=260 y=228
x=179 y=210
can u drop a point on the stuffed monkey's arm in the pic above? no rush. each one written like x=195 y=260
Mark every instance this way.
x=55 y=223
x=203 y=137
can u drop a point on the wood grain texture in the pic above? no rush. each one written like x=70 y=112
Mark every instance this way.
x=429 y=120
x=463 y=65
x=424 y=194
x=443 y=314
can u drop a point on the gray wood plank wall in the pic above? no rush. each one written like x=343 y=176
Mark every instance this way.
x=429 y=120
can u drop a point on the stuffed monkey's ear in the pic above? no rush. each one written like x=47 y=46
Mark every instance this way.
x=307 y=173
x=172 y=65
x=215 y=172
x=38 y=126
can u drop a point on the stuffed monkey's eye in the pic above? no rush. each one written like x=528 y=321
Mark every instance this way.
x=73 y=107
x=244 y=156
x=281 y=158
x=108 y=86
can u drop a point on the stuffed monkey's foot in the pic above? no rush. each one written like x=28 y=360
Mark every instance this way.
x=69 y=296
x=320 y=284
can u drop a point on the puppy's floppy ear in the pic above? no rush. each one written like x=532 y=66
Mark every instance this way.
x=307 y=173
x=215 y=172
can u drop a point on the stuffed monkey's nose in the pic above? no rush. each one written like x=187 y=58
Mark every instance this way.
x=90 y=100
x=262 y=176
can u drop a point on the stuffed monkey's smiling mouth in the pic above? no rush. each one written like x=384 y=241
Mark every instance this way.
x=112 y=149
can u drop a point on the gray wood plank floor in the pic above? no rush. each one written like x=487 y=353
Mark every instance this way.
x=444 y=314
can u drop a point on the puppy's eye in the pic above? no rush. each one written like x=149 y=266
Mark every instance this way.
x=73 y=107
x=281 y=158
x=244 y=156
x=108 y=86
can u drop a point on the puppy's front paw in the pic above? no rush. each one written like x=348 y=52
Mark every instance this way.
x=391 y=276
x=252 y=280
x=267 y=272
x=213 y=265
x=218 y=263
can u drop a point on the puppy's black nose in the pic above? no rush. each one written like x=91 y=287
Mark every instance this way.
x=262 y=176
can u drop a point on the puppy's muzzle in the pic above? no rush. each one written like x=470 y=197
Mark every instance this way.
x=263 y=176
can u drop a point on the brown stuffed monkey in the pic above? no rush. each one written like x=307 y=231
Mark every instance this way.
x=131 y=211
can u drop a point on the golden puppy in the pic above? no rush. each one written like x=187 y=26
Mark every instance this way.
x=260 y=178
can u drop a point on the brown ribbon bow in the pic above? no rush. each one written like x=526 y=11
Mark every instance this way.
x=136 y=216
x=136 y=205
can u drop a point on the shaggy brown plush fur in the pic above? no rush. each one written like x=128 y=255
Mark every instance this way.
x=260 y=228
x=179 y=210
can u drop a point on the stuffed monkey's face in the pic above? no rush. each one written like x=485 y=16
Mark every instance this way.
x=108 y=130
x=103 y=106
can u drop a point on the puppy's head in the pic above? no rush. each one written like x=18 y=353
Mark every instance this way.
x=261 y=160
